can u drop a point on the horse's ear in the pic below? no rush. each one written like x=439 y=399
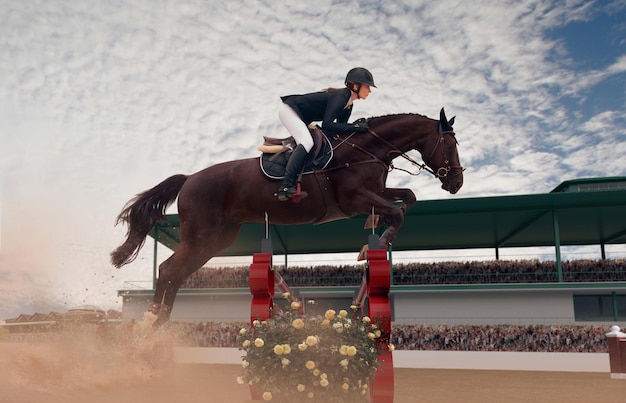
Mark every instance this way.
x=442 y=116
x=451 y=121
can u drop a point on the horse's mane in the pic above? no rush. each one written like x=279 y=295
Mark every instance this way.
x=384 y=118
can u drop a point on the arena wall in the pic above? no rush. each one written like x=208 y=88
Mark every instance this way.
x=470 y=360
x=484 y=307
x=452 y=307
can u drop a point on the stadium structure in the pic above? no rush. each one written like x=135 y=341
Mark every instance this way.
x=578 y=212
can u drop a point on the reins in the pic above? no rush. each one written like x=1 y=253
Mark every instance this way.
x=441 y=172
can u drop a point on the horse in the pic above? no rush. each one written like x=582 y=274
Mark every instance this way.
x=214 y=203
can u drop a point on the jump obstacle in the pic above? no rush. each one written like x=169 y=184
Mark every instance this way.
x=374 y=287
x=617 y=352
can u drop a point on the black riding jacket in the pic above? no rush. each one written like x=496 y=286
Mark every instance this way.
x=329 y=107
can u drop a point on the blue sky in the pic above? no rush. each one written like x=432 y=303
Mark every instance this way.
x=101 y=100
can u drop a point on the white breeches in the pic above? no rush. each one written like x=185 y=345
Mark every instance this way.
x=295 y=126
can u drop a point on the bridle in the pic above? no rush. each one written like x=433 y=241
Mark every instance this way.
x=445 y=170
x=442 y=172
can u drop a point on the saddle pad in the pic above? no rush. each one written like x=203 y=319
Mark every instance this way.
x=273 y=165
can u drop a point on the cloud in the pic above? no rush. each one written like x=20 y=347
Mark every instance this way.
x=102 y=101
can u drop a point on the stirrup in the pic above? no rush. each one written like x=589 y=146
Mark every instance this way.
x=293 y=193
x=299 y=195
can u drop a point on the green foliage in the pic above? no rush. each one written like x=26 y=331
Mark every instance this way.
x=291 y=358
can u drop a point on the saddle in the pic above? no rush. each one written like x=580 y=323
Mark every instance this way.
x=276 y=153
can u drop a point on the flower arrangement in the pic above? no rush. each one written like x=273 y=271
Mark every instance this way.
x=292 y=358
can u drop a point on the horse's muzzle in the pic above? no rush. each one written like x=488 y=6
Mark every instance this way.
x=453 y=183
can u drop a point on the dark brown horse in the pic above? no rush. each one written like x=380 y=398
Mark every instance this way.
x=215 y=202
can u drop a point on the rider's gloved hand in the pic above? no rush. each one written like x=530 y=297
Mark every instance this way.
x=360 y=126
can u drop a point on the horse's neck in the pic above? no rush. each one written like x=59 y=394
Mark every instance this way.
x=406 y=132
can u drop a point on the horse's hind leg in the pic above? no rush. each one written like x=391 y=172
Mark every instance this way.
x=186 y=260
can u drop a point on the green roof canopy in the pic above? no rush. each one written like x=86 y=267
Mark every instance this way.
x=578 y=212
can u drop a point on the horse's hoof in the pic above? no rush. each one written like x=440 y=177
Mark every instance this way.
x=363 y=253
x=149 y=317
x=372 y=221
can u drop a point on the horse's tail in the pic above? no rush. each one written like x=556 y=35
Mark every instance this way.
x=141 y=213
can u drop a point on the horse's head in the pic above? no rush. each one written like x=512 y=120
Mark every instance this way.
x=443 y=160
x=392 y=136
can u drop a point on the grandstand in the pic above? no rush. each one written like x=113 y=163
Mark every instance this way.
x=520 y=292
x=38 y=326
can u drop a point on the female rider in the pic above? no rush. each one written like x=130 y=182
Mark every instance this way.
x=332 y=107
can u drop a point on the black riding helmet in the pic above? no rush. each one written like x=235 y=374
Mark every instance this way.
x=359 y=75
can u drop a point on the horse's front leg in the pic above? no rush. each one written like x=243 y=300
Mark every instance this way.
x=385 y=204
x=403 y=198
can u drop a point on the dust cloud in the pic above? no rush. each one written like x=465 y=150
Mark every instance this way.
x=79 y=361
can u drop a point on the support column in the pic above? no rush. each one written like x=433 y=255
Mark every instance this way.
x=557 y=246
x=617 y=352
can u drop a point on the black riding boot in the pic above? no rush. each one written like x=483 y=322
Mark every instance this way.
x=294 y=166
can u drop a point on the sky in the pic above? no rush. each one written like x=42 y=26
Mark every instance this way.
x=101 y=100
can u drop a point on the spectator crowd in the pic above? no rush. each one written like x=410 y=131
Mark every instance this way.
x=536 y=338
x=527 y=338
x=471 y=272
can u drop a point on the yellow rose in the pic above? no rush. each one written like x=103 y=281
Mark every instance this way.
x=351 y=351
x=246 y=343
x=300 y=387
x=392 y=347
x=371 y=335
x=330 y=314
x=302 y=346
x=316 y=372
x=267 y=396
x=343 y=313
x=298 y=323
x=311 y=341
x=345 y=386
x=344 y=363
x=278 y=349
x=259 y=342
x=366 y=319
x=309 y=365
x=310 y=395
x=324 y=382
x=325 y=322
x=343 y=350
x=243 y=331
x=295 y=305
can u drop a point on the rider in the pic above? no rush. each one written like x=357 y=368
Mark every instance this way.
x=332 y=107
